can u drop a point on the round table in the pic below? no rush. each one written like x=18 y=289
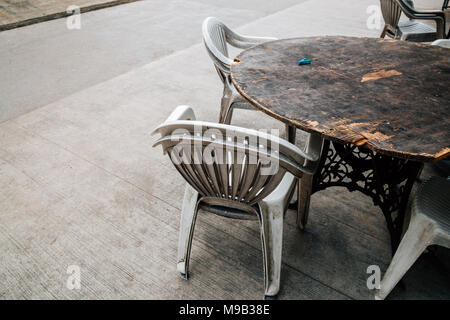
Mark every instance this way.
x=382 y=107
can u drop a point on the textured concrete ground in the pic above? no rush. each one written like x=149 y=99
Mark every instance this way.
x=81 y=184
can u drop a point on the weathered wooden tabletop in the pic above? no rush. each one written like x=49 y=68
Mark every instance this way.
x=390 y=96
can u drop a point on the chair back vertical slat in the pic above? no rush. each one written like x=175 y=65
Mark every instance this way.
x=260 y=181
x=224 y=173
x=236 y=172
x=182 y=170
x=218 y=177
x=247 y=179
x=188 y=164
x=202 y=172
x=194 y=178
x=214 y=179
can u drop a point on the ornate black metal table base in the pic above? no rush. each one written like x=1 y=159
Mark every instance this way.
x=387 y=180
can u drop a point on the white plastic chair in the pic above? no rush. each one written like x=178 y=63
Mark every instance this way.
x=430 y=224
x=216 y=36
x=411 y=30
x=237 y=173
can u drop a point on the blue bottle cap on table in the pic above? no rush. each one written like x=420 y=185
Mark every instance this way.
x=304 y=61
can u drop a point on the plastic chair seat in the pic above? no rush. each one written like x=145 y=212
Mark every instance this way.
x=413 y=30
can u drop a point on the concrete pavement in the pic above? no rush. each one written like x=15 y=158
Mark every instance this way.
x=15 y=14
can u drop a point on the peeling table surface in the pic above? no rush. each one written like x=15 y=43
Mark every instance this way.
x=390 y=96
